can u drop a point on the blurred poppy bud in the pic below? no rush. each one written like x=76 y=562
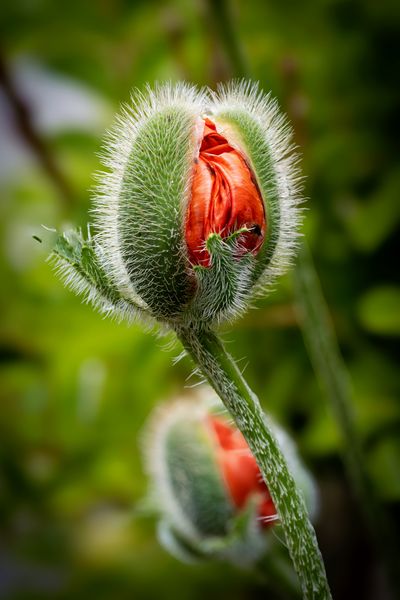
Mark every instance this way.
x=198 y=209
x=209 y=493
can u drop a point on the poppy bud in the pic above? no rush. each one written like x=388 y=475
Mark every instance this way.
x=209 y=493
x=198 y=208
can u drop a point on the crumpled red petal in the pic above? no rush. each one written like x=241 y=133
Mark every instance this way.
x=225 y=197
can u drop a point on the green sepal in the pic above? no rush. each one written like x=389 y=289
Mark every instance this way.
x=195 y=480
x=150 y=213
x=78 y=261
x=245 y=541
x=243 y=544
x=177 y=545
x=223 y=288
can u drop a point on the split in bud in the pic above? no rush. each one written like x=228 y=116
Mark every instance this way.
x=209 y=494
x=198 y=209
x=224 y=198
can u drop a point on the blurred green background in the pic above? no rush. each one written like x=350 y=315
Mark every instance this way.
x=77 y=389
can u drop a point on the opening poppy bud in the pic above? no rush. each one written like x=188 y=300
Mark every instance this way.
x=194 y=215
x=224 y=198
x=205 y=484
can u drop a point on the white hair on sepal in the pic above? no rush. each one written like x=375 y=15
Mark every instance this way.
x=247 y=97
x=72 y=274
x=115 y=155
x=223 y=289
x=73 y=280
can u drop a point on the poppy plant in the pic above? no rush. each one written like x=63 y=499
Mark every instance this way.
x=196 y=214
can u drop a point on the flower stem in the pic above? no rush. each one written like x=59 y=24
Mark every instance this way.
x=224 y=376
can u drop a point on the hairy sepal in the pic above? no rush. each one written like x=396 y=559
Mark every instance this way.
x=223 y=288
x=79 y=262
x=243 y=544
x=196 y=480
x=142 y=201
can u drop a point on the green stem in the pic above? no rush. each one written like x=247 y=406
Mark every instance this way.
x=324 y=353
x=224 y=376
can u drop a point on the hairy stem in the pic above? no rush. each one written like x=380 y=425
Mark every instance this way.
x=224 y=376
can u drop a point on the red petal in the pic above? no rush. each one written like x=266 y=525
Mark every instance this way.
x=240 y=470
x=225 y=197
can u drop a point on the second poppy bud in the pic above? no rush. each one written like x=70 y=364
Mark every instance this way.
x=206 y=485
